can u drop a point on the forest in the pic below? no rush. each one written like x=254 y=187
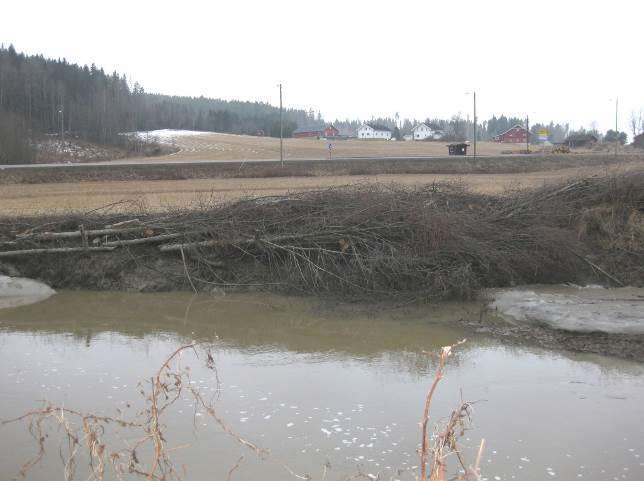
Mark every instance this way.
x=43 y=96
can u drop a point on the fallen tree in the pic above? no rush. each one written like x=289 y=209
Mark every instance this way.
x=372 y=240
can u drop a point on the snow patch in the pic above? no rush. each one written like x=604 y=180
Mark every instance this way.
x=571 y=308
x=19 y=291
x=166 y=135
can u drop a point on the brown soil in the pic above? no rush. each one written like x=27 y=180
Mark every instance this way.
x=159 y=195
x=626 y=346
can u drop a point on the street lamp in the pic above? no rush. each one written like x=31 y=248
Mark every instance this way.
x=474 y=96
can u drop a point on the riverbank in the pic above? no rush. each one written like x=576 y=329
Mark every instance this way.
x=369 y=242
x=436 y=241
x=592 y=319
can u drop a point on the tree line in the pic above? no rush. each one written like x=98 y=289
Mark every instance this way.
x=40 y=96
x=46 y=96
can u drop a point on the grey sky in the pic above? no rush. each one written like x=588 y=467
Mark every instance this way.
x=561 y=60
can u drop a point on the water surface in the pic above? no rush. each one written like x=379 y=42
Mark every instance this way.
x=320 y=384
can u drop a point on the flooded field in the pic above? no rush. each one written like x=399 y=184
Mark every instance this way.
x=324 y=387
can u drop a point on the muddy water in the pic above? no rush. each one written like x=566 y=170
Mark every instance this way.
x=320 y=384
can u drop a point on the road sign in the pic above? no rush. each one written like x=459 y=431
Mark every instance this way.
x=543 y=135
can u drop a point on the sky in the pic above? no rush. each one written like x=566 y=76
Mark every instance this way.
x=563 y=60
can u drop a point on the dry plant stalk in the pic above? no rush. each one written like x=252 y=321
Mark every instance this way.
x=446 y=438
x=84 y=433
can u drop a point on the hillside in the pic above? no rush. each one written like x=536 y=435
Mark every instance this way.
x=40 y=96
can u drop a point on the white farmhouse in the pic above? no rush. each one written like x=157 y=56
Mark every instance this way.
x=423 y=131
x=369 y=131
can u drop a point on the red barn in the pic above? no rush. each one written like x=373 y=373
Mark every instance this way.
x=331 y=131
x=514 y=135
x=303 y=133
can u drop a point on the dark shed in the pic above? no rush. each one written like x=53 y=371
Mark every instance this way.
x=457 y=149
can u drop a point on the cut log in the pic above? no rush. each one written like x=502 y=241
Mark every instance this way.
x=143 y=240
x=188 y=245
x=220 y=243
x=125 y=223
x=55 y=250
x=77 y=233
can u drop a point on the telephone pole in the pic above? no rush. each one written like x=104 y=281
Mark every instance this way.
x=527 y=135
x=62 y=124
x=616 y=131
x=473 y=92
x=475 y=125
x=281 y=131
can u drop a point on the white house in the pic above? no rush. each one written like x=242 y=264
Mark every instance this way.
x=368 y=131
x=423 y=131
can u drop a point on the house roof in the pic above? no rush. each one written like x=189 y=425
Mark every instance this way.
x=380 y=127
x=581 y=137
x=422 y=123
x=513 y=127
x=301 y=130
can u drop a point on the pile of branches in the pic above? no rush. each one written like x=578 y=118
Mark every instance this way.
x=431 y=242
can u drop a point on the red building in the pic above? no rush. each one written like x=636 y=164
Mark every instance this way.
x=331 y=131
x=301 y=133
x=514 y=135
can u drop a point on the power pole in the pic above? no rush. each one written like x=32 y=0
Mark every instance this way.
x=475 y=125
x=62 y=124
x=616 y=131
x=527 y=135
x=281 y=131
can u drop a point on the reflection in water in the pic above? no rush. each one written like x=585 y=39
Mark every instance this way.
x=317 y=383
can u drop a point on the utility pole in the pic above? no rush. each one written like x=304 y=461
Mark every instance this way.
x=473 y=92
x=62 y=124
x=475 y=125
x=527 y=135
x=616 y=131
x=281 y=131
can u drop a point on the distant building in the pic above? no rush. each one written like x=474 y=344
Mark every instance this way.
x=346 y=132
x=330 y=131
x=373 y=131
x=581 y=140
x=638 y=141
x=459 y=148
x=514 y=135
x=306 y=133
x=424 y=132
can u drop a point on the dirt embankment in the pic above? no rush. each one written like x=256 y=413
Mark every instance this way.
x=304 y=168
x=625 y=346
x=405 y=244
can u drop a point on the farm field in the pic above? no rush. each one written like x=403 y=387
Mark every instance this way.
x=158 y=195
x=215 y=146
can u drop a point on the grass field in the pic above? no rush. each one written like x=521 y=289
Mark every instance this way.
x=213 y=146
x=158 y=195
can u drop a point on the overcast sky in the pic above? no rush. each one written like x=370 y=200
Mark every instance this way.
x=563 y=60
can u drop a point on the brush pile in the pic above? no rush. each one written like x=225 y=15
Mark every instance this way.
x=373 y=240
